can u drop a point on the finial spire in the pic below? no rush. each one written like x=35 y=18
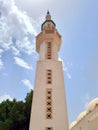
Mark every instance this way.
x=48 y=16
x=48 y=12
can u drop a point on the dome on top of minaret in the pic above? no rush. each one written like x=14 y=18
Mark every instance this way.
x=48 y=21
x=48 y=16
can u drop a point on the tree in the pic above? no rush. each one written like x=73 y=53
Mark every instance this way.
x=15 y=115
x=27 y=107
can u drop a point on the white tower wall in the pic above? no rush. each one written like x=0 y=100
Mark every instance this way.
x=49 y=109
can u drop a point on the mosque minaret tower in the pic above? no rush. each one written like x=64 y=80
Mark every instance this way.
x=49 y=109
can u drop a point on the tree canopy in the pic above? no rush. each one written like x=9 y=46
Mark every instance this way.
x=15 y=115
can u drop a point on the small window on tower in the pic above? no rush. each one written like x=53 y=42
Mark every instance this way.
x=48 y=103
x=49 y=82
x=49 y=128
x=49 y=92
x=49 y=97
x=49 y=76
x=49 y=109
x=49 y=47
x=49 y=73
x=49 y=50
x=49 y=116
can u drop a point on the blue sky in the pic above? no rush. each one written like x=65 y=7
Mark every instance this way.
x=76 y=21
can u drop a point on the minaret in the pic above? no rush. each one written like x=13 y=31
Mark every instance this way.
x=49 y=110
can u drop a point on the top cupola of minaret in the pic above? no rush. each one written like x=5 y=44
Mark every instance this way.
x=48 y=16
x=48 y=23
x=48 y=33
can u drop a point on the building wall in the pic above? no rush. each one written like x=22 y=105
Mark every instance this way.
x=89 y=121
x=59 y=119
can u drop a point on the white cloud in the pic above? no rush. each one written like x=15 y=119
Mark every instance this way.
x=5 y=97
x=25 y=46
x=15 y=50
x=66 y=68
x=86 y=100
x=1 y=64
x=22 y=63
x=1 y=51
x=27 y=83
x=17 y=29
x=68 y=75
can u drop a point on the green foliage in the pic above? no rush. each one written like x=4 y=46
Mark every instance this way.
x=15 y=115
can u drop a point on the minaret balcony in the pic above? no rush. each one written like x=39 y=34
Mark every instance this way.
x=46 y=36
